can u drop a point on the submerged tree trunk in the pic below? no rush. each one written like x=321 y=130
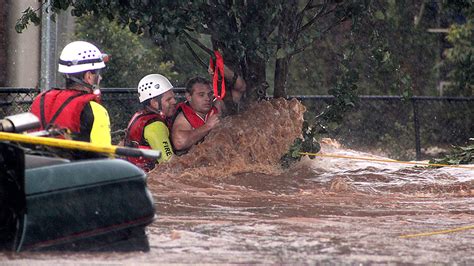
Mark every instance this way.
x=287 y=36
x=254 y=73
x=281 y=76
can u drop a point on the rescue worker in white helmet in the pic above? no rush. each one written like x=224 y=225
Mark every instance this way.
x=149 y=127
x=76 y=109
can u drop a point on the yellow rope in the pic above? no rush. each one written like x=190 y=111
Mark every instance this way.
x=439 y=232
x=385 y=160
x=61 y=143
x=402 y=162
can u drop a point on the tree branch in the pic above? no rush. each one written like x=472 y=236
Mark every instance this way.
x=30 y=15
x=271 y=28
x=304 y=47
x=198 y=43
x=201 y=31
x=307 y=7
x=195 y=55
x=316 y=16
x=420 y=14
x=300 y=15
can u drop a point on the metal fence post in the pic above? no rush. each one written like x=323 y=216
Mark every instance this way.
x=48 y=48
x=417 y=129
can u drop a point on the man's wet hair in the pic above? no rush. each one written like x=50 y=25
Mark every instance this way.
x=196 y=80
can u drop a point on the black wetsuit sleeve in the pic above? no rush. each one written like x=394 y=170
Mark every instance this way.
x=87 y=120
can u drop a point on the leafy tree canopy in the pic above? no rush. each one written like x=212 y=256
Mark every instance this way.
x=343 y=46
x=248 y=33
x=460 y=56
x=392 y=49
x=133 y=56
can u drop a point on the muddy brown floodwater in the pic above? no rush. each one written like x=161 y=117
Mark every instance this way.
x=228 y=201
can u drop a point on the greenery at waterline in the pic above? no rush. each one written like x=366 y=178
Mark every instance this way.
x=458 y=155
x=388 y=49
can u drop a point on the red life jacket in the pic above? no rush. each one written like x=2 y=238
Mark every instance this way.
x=193 y=118
x=135 y=137
x=61 y=108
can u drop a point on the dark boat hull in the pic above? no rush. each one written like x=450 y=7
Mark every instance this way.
x=84 y=205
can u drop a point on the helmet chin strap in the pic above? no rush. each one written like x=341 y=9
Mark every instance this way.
x=154 y=110
x=94 y=87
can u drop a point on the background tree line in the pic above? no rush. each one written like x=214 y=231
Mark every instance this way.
x=305 y=47
x=287 y=47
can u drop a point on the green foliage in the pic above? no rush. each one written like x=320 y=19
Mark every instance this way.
x=461 y=58
x=345 y=99
x=389 y=51
x=308 y=143
x=185 y=64
x=345 y=92
x=458 y=155
x=132 y=56
x=249 y=33
x=391 y=55
x=394 y=55
x=29 y=15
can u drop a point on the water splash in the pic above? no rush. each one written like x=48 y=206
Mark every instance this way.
x=252 y=141
x=243 y=153
x=379 y=177
x=245 y=209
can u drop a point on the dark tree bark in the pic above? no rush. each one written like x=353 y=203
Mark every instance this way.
x=254 y=74
x=281 y=76
x=287 y=35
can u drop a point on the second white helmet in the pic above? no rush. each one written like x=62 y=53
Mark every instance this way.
x=80 y=56
x=153 y=85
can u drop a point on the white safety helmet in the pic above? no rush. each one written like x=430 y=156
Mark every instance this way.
x=80 y=56
x=153 y=85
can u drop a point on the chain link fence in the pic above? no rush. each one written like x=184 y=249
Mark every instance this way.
x=406 y=129
x=121 y=104
x=415 y=128
x=16 y=100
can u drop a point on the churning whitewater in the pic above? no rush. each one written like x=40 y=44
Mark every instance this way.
x=229 y=201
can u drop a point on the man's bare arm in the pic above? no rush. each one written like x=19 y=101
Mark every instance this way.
x=184 y=136
x=239 y=86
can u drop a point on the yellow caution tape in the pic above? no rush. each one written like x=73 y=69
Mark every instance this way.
x=61 y=143
x=79 y=145
x=439 y=232
x=385 y=160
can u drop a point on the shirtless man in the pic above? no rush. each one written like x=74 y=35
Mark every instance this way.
x=195 y=117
